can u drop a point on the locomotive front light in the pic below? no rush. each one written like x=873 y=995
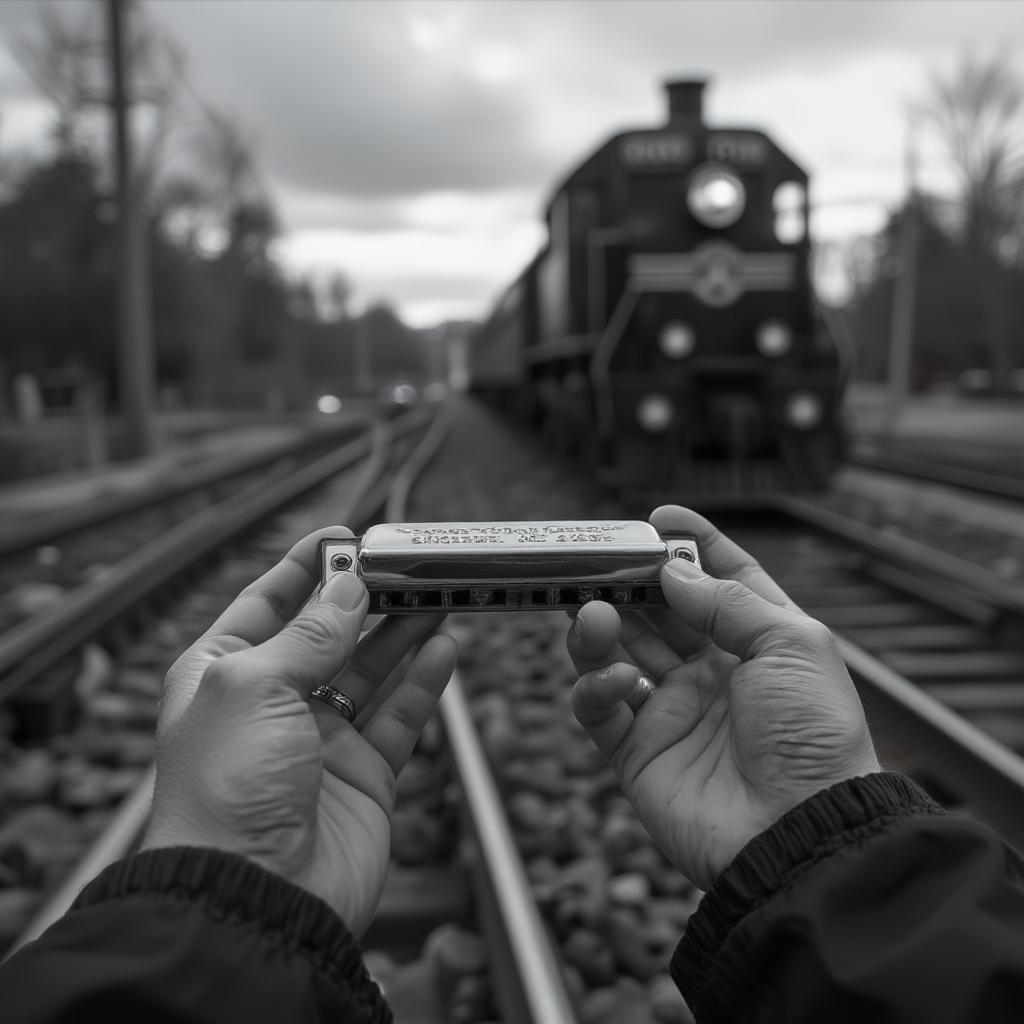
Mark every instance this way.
x=716 y=197
x=677 y=340
x=803 y=410
x=654 y=413
x=773 y=339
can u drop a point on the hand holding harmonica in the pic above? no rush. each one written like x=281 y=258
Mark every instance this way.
x=752 y=710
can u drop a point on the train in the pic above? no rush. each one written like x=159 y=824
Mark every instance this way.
x=667 y=332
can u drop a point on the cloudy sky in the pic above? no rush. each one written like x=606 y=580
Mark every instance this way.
x=413 y=144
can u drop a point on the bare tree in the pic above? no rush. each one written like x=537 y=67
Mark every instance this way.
x=977 y=114
x=65 y=56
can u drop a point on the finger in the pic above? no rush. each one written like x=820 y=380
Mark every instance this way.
x=646 y=647
x=593 y=638
x=377 y=655
x=314 y=646
x=719 y=555
x=395 y=728
x=600 y=704
x=264 y=607
x=685 y=641
x=737 y=620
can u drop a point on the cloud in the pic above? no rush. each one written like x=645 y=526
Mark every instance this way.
x=448 y=211
x=417 y=265
x=412 y=143
x=355 y=98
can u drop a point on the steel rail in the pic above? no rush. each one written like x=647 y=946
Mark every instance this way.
x=34 y=645
x=942 y=473
x=943 y=566
x=534 y=992
x=541 y=987
x=967 y=761
x=111 y=844
x=959 y=754
x=398 y=495
x=44 y=529
x=117 y=838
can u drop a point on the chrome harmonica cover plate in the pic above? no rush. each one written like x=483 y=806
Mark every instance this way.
x=501 y=566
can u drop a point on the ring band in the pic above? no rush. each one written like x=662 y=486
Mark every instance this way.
x=644 y=688
x=333 y=698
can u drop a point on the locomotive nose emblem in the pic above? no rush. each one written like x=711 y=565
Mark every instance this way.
x=717 y=274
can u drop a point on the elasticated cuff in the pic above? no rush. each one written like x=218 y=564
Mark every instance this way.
x=229 y=887
x=817 y=828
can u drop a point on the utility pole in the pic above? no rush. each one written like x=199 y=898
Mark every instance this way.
x=364 y=365
x=134 y=308
x=901 y=332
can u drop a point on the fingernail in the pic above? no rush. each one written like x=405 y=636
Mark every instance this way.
x=685 y=571
x=645 y=686
x=345 y=590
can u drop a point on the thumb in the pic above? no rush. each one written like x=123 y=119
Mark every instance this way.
x=315 y=646
x=737 y=620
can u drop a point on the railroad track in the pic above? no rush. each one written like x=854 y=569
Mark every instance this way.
x=580 y=922
x=996 y=473
x=527 y=978
x=932 y=642
x=100 y=654
x=46 y=553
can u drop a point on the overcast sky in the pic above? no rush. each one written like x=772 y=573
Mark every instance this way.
x=413 y=144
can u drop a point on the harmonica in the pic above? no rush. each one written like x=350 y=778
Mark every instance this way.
x=507 y=566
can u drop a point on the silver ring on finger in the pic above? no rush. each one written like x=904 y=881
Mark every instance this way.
x=340 y=702
x=643 y=689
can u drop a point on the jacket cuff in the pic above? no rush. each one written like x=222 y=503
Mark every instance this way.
x=228 y=887
x=812 y=831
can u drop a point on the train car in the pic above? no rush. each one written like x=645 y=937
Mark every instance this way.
x=668 y=329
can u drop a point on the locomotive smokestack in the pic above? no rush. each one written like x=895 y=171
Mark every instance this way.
x=686 y=100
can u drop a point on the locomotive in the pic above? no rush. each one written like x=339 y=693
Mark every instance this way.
x=667 y=332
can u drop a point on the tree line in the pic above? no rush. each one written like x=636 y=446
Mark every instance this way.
x=968 y=245
x=230 y=329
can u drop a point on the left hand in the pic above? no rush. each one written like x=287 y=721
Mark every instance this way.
x=248 y=764
x=753 y=712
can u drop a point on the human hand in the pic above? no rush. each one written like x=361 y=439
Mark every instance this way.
x=752 y=712
x=246 y=763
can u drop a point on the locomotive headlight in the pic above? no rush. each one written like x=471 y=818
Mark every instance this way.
x=803 y=410
x=716 y=197
x=677 y=340
x=773 y=339
x=654 y=413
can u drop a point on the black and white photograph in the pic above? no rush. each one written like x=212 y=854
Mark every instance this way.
x=512 y=511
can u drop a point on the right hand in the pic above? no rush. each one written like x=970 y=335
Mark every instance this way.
x=753 y=710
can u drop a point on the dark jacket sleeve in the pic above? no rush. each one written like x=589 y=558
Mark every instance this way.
x=190 y=936
x=868 y=902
